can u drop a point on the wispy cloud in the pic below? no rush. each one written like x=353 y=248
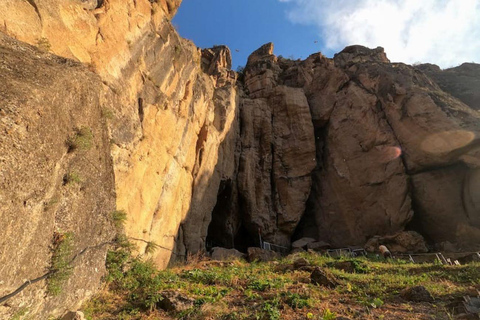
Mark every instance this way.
x=444 y=32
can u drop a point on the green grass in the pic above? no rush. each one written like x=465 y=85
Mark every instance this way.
x=60 y=264
x=72 y=178
x=119 y=217
x=241 y=290
x=82 y=139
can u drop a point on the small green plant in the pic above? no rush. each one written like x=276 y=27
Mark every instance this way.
x=82 y=139
x=140 y=279
x=107 y=113
x=178 y=49
x=72 y=178
x=50 y=203
x=328 y=315
x=60 y=266
x=295 y=301
x=119 y=217
x=43 y=44
x=376 y=303
x=151 y=247
x=20 y=313
x=270 y=310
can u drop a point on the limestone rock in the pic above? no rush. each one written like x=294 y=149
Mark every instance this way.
x=222 y=254
x=417 y=294
x=258 y=254
x=299 y=263
x=274 y=171
x=358 y=54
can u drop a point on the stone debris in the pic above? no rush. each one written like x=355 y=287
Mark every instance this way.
x=323 y=278
x=417 y=294
x=175 y=301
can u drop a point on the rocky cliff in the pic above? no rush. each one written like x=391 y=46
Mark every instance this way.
x=110 y=111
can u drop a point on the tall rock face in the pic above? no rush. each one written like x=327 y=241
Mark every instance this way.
x=435 y=134
x=386 y=137
x=277 y=151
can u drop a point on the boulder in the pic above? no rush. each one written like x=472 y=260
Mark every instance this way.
x=417 y=294
x=175 y=301
x=300 y=263
x=74 y=315
x=222 y=254
x=347 y=266
x=323 y=278
x=262 y=255
x=303 y=242
x=406 y=241
x=318 y=245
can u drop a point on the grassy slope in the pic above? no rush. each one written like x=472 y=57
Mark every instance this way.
x=240 y=290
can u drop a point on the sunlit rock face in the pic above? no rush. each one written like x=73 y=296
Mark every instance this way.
x=50 y=188
x=164 y=113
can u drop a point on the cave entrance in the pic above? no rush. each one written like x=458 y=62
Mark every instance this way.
x=226 y=229
x=222 y=229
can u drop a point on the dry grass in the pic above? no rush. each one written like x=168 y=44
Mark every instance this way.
x=240 y=290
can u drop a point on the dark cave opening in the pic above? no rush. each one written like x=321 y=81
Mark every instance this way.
x=221 y=229
x=227 y=230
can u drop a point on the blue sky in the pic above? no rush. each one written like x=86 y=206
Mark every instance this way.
x=245 y=25
x=444 y=32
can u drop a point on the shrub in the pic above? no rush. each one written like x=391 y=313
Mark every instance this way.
x=119 y=217
x=81 y=140
x=72 y=177
x=60 y=266
x=141 y=280
x=43 y=44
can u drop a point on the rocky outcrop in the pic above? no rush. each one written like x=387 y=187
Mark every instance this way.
x=277 y=151
x=462 y=82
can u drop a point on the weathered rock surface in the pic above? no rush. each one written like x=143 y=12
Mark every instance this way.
x=74 y=315
x=262 y=255
x=323 y=278
x=462 y=82
x=417 y=294
x=222 y=254
x=46 y=101
x=277 y=151
x=406 y=241
x=302 y=243
x=175 y=301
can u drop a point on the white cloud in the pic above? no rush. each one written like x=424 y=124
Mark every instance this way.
x=444 y=32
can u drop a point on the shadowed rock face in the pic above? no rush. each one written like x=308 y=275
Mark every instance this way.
x=380 y=130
